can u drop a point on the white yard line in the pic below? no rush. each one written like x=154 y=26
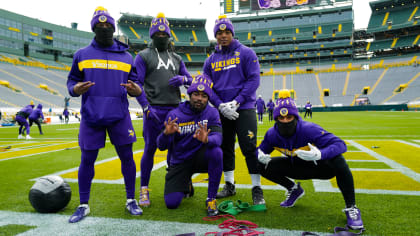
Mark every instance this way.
x=393 y=164
x=56 y=224
x=408 y=143
x=34 y=154
x=326 y=186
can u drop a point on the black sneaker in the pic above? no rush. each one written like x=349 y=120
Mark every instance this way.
x=227 y=191
x=190 y=192
x=257 y=196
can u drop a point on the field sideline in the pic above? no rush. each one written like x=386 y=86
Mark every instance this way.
x=383 y=153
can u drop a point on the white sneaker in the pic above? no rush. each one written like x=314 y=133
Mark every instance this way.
x=28 y=137
x=20 y=137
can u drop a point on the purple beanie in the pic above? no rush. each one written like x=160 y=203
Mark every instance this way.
x=201 y=83
x=160 y=23
x=101 y=15
x=223 y=23
x=285 y=105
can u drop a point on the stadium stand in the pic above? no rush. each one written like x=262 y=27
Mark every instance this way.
x=310 y=49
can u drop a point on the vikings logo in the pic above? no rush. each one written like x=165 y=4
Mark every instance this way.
x=102 y=18
x=284 y=111
x=237 y=53
x=222 y=27
x=161 y=27
x=250 y=134
x=200 y=87
x=130 y=133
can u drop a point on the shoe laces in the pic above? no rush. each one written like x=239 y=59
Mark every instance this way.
x=144 y=194
x=289 y=193
x=212 y=204
x=353 y=212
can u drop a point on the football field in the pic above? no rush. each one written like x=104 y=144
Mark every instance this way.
x=383 y=154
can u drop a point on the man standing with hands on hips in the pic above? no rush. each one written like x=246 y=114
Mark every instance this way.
x=235 y=71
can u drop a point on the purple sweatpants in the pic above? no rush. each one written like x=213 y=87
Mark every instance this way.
x=151 y=130
x=22 y=122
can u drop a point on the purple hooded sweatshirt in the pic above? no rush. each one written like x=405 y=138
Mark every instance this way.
x=26 y=111
x=260 y=105
x=306 y=132
x=106 y=101
x=183 y=146
x=235 y=72
x=37 y=113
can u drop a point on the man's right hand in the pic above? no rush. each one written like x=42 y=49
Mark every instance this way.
x=82 y=87
x=263 y=158
x=171 y=126
x=227 y=112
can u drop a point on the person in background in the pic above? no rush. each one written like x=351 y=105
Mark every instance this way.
x=66 y=115
x=308 y=109
x=270 y=108
x=21 y=117
x=193 y=137
x=36 y=117
x=161 y=72
x=104 y=108
x=260 y=104
x=235 y=72
x=310 y=152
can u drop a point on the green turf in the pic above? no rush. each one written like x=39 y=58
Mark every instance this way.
x=10 y=230
x=383 y=214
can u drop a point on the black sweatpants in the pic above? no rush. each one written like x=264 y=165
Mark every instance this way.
x=280 y=169
x=245 y=127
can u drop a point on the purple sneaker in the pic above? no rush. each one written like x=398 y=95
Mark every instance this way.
x=211 y=207
x=354 y=219
x=81 y=211
x=133 y=208
x=293 y=195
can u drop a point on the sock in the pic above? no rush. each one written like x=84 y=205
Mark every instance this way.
x=256 y=180
x=229 y=177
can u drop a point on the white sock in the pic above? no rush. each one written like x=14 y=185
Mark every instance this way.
x=256 y=180
x=229 y=177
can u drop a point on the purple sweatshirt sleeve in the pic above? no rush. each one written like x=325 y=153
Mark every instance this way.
x=74 y=76
x=329 y=144
x=252 y=73
x=214 y=99
x=183 y=71
x=133 y=77
x=164 y=141
x=141 y=75
x=215 y=137
x=265 y=145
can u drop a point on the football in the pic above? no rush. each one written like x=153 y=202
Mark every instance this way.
x=50 y=194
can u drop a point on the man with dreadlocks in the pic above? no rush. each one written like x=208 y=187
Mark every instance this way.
x=193 y=137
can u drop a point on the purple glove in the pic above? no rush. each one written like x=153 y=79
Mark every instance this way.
x=150 y=113
x=178 y=80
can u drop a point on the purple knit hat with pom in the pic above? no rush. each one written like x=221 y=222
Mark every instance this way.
x=201 y=83
x=223 y=23
x=285 y=105
x=159 y=24
x=101 y=15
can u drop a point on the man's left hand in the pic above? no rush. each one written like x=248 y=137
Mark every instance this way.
x=202 y=133
x=133 y=89
x=233 y=105
x=314 y=154
x=178 y=80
